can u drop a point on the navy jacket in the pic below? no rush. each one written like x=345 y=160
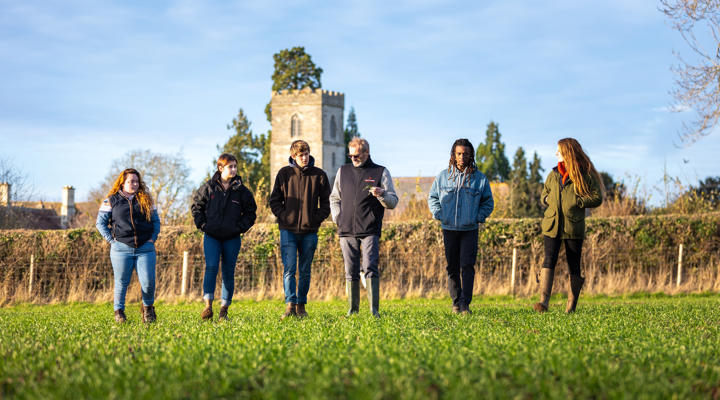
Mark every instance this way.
x=122 y=219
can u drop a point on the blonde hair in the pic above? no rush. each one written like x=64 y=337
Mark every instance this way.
x=142 y=195
x=360 y=142
x=579 y=166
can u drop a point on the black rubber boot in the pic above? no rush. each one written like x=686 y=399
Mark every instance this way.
x=374 y=296
x=353 y=297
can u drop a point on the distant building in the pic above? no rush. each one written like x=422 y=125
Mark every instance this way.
x=44 y=215
x=313 y=115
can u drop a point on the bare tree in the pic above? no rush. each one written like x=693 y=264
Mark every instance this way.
x=21 y=188
x=167 y=178
x=698 y=83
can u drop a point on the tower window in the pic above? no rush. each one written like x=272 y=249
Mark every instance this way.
x=295 y=126
x=333 y=158
x=333 y=129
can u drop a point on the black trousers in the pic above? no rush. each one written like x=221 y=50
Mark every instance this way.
x=461 y=249
x=573 y=252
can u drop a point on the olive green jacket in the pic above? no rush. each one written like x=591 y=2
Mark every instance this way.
x=566 y=210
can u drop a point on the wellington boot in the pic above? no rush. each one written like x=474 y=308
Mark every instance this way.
x=546 y=282
x=289 y=311
x=576 y=283
x=353 y=297
x=374 y=296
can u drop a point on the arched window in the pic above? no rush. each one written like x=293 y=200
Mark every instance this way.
x=333 y=157
x=333 y=128
x=295 y=126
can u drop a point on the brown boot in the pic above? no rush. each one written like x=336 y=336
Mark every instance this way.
x=222 y=315
x=300 y=311
x=120 y=316
x=546 y=281
x=207 y=313
x=148 y=314
x=289 y=311
x=576 y=283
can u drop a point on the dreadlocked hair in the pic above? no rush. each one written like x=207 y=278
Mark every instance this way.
x=579 y=166
x=142 y=195
x=470 y=168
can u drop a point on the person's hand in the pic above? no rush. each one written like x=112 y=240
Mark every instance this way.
x=377 y=191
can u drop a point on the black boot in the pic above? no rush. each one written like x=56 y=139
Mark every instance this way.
x=374 y=296
x=353 y=297
x=576 y=283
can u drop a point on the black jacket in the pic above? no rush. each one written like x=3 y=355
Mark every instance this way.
x=223 y=214
x=301 y=197
x=361 y=213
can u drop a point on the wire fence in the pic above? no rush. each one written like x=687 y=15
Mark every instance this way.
x=498 y=271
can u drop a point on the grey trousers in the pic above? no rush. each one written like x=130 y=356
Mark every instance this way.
x=360 y=254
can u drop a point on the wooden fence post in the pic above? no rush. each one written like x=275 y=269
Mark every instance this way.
x=32 y=272
x=183 y=285
x=512 y=274
x=679 y=272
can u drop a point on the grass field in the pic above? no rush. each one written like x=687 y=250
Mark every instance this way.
x=621 y=347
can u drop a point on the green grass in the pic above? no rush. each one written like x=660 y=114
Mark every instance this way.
x=620 y=347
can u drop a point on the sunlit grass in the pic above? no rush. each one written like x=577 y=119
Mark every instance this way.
x=640 y=346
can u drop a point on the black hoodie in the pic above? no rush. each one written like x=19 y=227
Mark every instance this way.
x=223 y=214
x=301 y=197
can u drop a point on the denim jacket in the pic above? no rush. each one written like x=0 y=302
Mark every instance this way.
x=460 y=202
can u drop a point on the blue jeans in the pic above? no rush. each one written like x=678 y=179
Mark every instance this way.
x=124 y=259
x=229 y=250
x=294 y=246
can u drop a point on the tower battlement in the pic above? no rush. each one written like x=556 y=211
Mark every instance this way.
x=308 y=96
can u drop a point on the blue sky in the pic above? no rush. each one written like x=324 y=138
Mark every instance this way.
x=83 y=82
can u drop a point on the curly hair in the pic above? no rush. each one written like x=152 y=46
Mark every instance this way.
x=142 y=195
x=471 y=168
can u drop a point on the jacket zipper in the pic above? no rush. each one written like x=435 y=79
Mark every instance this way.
x=132 y=222
x=457 y=196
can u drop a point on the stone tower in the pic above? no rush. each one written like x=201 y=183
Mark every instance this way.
x=313 y=115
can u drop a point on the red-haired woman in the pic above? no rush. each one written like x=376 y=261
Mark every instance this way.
x=570 y=188
x=223 y=208
x=128 y=220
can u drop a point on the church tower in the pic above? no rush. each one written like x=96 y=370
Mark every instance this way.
x=313 y=115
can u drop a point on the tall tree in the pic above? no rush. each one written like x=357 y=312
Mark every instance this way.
x=519 y=186
x=293 y=69
x=698 y=80
x=167 y=177
x=490 y=155
x=249 y=150
x=351 y=130
x=535 y=186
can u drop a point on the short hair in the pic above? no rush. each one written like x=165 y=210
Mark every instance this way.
x=226 y=159
x=359 y=142
x=299 y=146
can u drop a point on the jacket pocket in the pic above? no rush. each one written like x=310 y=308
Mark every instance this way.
x=447 y=206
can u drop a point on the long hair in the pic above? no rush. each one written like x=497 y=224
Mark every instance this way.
x=142 y=195
x=579 y=166
x=471 y=167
